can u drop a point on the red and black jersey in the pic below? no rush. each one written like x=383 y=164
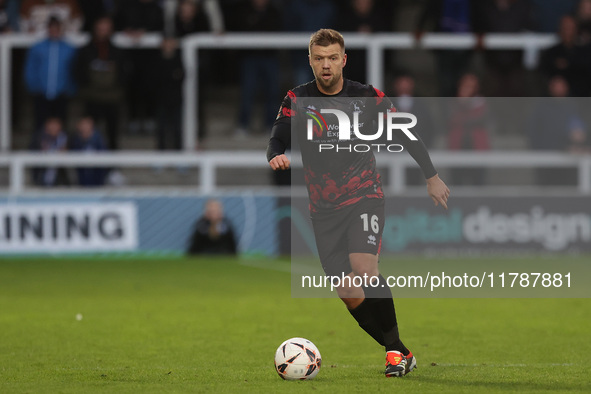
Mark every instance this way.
x=334 y=178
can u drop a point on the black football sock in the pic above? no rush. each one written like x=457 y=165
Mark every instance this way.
x=363 y=313
x=386 y=317
x=382 y=308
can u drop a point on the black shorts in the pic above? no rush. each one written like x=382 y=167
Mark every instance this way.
x=354 y=229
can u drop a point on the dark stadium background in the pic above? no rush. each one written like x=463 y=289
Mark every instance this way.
x=510 y=50
x=180 y=129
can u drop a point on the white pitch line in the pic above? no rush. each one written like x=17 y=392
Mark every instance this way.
x=421 y=366
x=281 y=267
x=503 y=365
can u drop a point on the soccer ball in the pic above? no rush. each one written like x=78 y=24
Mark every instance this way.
x=297 y=359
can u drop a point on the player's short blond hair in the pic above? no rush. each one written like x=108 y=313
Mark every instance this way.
x=326 y=37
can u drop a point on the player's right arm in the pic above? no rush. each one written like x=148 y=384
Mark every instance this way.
x=279 y=162
x=281 y=136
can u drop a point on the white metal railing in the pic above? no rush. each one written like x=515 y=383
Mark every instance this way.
x=209 y=162
x=375 y=44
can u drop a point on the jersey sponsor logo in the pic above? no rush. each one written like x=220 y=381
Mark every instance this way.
x=320 y=125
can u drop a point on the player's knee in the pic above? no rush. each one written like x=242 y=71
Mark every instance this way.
x=366 y=271
x=352 y=303
x=347 y=293
x=377 y=288
x=364 y=264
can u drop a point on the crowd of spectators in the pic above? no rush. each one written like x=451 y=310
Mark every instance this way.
x=148 y=82
x=53 y=137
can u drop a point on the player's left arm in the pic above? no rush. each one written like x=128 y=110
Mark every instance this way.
x=437 y=189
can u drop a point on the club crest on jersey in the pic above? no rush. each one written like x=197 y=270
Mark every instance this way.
x=357 y=106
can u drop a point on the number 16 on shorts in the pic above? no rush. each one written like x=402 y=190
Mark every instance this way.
x=373 y=221
x=366 y=235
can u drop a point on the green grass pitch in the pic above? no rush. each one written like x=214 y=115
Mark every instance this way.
x=212 y=325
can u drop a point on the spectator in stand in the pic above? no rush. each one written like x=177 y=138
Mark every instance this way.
x=569 y=59
x=505 y=72
x=469 y=124
x=9 y=16
x=361 y=16
x=405 y=101
x=48 y=74
x=51 y=138
x=306 y=16
x=35 y=15
x=213 y=233
x=87 y=138
x=94 y=10
x=4 y=22
x=309 y=15
x=546 y=14
x=194 y=16
x=190 y=18
x=101 y=70
x=171 y=74
x=135 y=18
x=259 y=69
x=449 y=16
x=556 y=125
x=583 y=17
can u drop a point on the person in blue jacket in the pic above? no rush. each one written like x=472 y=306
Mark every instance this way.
x=48 y=74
